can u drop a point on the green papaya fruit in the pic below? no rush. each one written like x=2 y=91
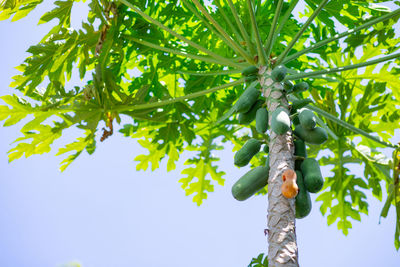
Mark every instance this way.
x=251 y=78
x=247 y=99
x=295 y=120
x=312 y=175
x=303 y=199
x=300 y=150
x=298 y=104
x=288 y=86
x=280 y=121
x=246 y=153
x=300 y=87
x=262 y=120
x=249 y=116
x=250 y=183
x=266 y=148
x=251 y=70
x=316 y=136
x=278 y=73
x=307 y=119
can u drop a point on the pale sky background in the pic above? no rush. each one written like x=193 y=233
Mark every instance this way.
x=102 y=213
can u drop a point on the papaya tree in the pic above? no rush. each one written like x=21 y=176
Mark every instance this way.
x=195 y=75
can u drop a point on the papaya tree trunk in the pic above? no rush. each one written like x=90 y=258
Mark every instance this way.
x=282 y=249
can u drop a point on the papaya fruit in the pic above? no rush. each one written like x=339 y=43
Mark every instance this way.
x=295 y=120
x=246 y=153
x=262 y=120
x=266 y=148
x=299 y=150
x=298 y=104
x=250 y=183
x=251 y=70
x=249 y=116
x=251 y=78
x=247 y=99
x=300 y=87
x=278 y=73
x=315 y=136
x=288 y=86
x=312 y=175
x=289 y=186
x=303 y=199
x=280 y=121
x=307 y=119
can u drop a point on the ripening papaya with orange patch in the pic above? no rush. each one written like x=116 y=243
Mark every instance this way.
x=289 y=187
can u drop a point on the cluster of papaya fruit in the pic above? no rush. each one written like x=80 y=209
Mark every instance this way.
x=251 y=106
x=307 y=177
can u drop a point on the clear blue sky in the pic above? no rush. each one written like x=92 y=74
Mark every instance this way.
x=103 y=213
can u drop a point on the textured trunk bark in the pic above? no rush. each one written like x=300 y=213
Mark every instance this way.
x=282 y=249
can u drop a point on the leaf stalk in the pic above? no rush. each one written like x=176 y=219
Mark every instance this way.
x=162 y=26
x=301 y=31
x=349 y=126
x=177 y=52
x=230 y=42
x=270 y=39
x=339 y=69
x=260 y=50
x=241 y=28
x=339 y=36
x=177 y=99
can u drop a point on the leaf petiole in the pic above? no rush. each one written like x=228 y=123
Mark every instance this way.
x=349 y=126
x=260 y=49
x=344 y=34
x=162 y=26
x=177 y=99
x=339 y=69
x=272 y=33
x=300 y=32
x=241 y=28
